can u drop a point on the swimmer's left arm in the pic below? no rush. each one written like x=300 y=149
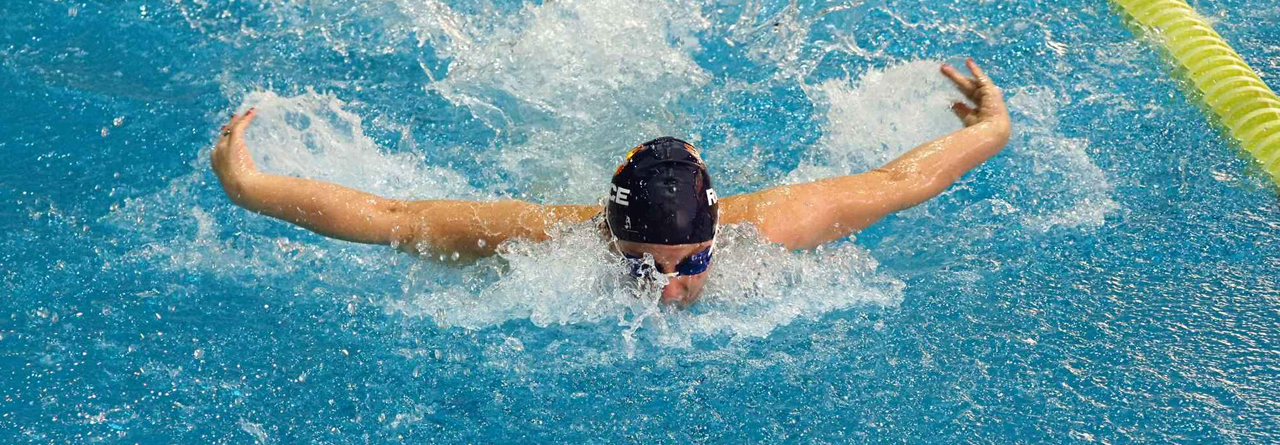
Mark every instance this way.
x=807 y=215
x=804 y=216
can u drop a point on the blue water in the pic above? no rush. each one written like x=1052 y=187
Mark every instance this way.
x=1112 y=276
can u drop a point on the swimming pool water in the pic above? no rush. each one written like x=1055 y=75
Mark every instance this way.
x=1112 y=276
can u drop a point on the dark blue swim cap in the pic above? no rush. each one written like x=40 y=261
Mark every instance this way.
x=662 y=194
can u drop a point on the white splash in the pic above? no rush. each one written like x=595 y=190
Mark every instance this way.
x=254 y=429
x=313 y=135
x=878 y=117
x=191 y=226
x=885 y=113
x=754 y=288
x=1070 y=189
x=568 y=85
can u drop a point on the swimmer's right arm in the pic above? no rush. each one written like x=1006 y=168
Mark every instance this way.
x=468 y=228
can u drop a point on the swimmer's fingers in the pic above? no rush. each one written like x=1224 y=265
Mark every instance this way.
x=984 y=89
x=978 y=74
x=230 y=155
x=219 y=158
x=964 y=84
x=238 y=125
x=990 y=101
x=967 y=114
x=224 y=133
x=235 y=127
x=986 y=95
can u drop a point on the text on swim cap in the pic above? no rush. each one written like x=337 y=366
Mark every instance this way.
x=711 y=197
x=619 y=195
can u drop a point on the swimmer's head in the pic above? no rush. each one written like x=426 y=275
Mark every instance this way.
x=661 y=204
x=662 y=194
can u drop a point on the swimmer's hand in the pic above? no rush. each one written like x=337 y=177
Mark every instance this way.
x=231 y=160
x=983 y=92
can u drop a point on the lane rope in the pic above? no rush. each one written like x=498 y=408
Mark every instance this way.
x=1248 y=109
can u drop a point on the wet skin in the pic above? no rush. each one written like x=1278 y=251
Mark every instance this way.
x=681 y=290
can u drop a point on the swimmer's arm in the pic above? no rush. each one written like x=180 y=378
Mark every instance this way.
x=475 y=229
x=429 y=227
x=468 y=228
x=804 y=216
x=328 y=209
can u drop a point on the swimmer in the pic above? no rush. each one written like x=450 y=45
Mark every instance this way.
x=660 y=203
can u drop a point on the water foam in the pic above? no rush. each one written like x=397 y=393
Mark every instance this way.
x=567 y=80
x=313 y=135
x=754 y=288
x=885 y=113
x=191 y=226
x=1071 y=191
x=878 y=117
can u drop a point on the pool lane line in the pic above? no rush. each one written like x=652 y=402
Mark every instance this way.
x=1246 y=106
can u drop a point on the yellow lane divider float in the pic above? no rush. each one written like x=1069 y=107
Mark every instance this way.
x=1228 y=86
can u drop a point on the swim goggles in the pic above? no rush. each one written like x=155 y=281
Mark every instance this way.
x=691 y=265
